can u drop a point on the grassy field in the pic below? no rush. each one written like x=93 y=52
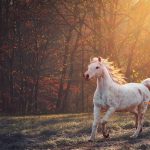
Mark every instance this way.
x=70 y=131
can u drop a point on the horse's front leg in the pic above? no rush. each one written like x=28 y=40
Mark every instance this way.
x=95 y=122
x=109 y=112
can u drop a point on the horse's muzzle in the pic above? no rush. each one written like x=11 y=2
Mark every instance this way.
x=86 y=76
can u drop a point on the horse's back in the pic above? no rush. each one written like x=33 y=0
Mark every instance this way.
x=135 y=86
x=139 y=90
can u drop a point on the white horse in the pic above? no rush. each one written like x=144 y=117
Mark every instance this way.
x=112 y=95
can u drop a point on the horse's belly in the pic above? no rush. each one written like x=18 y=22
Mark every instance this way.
x=125 y=109
x=128 y=102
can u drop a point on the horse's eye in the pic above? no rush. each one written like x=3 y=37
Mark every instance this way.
x=97 y=67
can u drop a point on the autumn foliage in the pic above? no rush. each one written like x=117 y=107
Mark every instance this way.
x=45 y=46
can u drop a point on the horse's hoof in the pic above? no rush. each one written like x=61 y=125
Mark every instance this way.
x=133 y=136
x=106 y=136
x=90 y=140
x=141 y=130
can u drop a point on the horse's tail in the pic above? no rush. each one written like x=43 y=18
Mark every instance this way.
x=146 y=82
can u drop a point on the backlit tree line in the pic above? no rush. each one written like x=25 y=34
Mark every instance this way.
x=45 y=46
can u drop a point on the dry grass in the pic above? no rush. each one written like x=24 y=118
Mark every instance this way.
x=69 y=131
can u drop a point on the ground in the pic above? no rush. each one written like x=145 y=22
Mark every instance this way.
x=70 y=131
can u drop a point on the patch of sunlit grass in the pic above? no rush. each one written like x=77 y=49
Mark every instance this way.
x=62 y=130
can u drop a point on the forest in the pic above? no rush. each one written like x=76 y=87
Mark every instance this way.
x=46 y=46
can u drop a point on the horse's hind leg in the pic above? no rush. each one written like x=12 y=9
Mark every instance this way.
x=144 y=108
x=139 y=127
x=141 y=111
x=136 y=121
x=135 y=112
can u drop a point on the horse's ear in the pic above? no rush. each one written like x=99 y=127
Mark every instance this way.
x=90 y=59
x=99 y=59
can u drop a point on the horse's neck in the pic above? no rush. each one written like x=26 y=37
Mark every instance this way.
x=105 y=82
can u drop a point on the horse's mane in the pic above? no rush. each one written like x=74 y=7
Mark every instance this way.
x=114 y=72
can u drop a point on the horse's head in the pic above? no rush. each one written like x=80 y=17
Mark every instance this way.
x=95 y=68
